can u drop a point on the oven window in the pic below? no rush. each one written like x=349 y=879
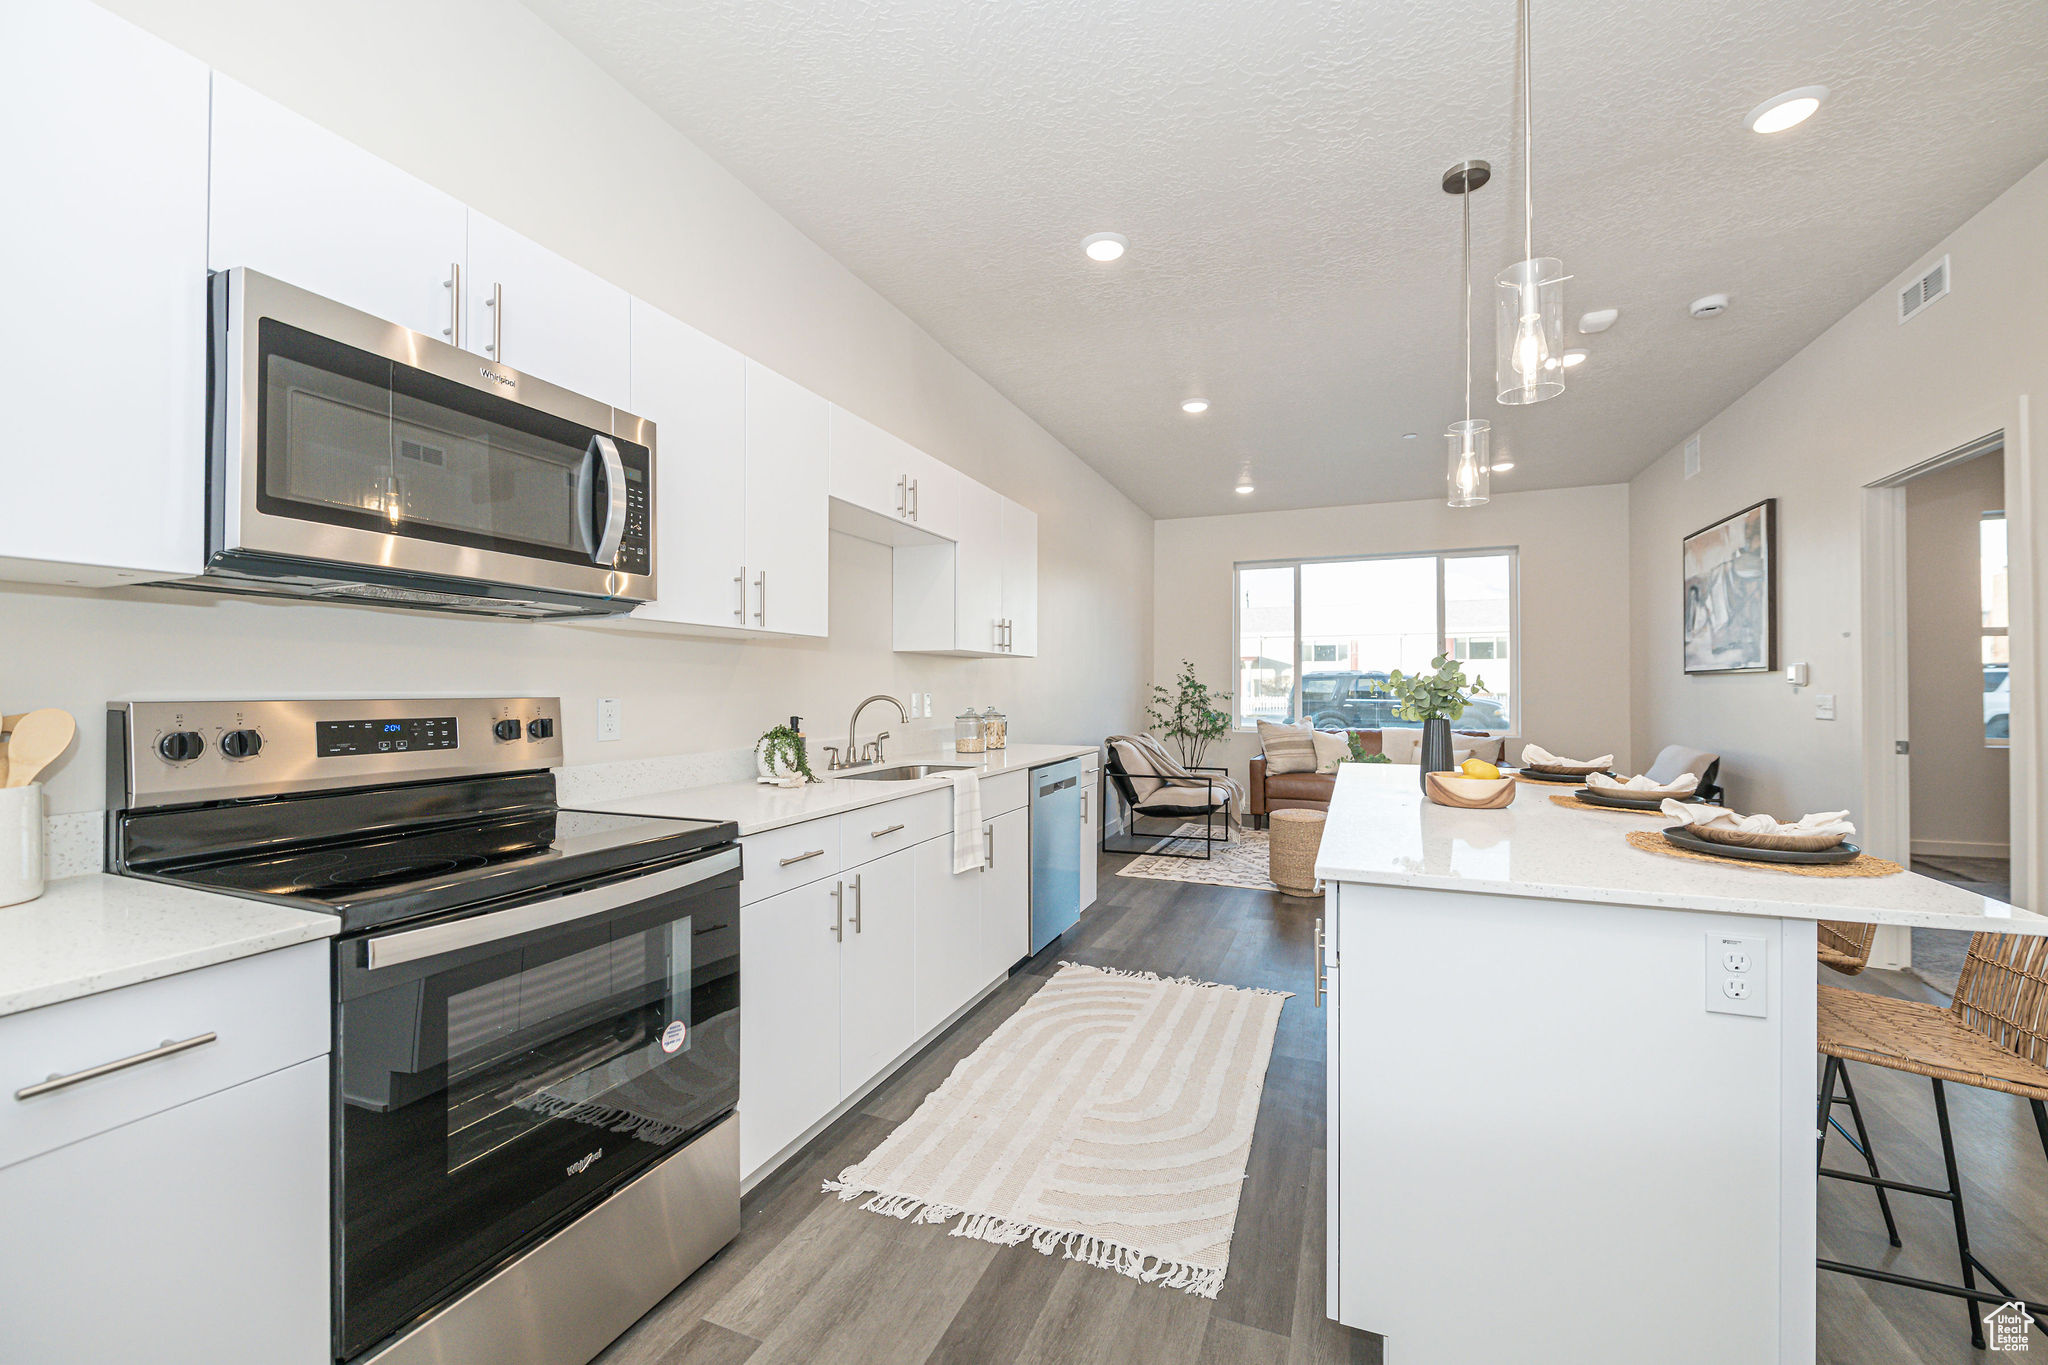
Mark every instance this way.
x=573 y=1037
x=350 y=438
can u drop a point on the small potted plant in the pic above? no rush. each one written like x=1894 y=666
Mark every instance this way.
x=1436 y=699
x=781 y=758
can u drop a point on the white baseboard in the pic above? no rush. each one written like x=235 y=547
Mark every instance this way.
x=1960 y=848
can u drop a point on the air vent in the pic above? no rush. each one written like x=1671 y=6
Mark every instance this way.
x=422 y=452
x=1924 y=290
x=1692 y=456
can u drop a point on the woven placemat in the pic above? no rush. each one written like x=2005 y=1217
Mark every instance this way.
x=1574 y=803
x=1863 y=865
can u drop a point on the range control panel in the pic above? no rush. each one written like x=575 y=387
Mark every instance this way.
x=163 y=753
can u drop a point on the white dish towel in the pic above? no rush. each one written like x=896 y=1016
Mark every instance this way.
x=968 y=846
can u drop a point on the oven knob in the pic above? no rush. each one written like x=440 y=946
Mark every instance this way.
x=540 y=727
x=241 y=743
x=181 y=746
x=506 y=729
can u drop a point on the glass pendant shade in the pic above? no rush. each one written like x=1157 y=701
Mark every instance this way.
x=1529 y=331
x=1468 y=472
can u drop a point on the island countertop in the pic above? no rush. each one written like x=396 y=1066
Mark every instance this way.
x=1382 y=831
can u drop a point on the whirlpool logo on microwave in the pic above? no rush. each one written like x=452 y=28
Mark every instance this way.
x=582 y=1164
x=507 y=380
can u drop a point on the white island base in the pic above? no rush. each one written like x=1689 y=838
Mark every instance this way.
x=1544 y=1147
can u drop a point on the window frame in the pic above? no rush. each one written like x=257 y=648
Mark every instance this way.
x=1513 y=554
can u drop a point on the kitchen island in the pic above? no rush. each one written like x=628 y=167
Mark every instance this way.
x=1557 y=1132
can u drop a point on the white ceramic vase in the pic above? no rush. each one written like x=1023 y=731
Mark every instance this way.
x=777 y=769
x=21 y=843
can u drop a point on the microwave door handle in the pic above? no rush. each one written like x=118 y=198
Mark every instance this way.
x=615 y=501
x=437 y=940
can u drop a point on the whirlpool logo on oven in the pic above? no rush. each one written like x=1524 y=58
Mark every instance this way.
x=582 y=1164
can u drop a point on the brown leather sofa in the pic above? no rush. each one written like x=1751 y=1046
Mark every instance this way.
x=1265 y=793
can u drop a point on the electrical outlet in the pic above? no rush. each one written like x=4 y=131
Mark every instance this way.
x=1824 y=706
x=1736 y=975
x=608 y=722
x=928 y=704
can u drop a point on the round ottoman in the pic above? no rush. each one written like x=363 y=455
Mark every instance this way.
x=1297 y=836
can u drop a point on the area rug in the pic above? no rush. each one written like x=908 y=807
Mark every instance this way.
x=1110 y=1118
x=1241 y=862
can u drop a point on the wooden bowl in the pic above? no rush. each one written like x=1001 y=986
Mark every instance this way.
x=1469 y=793
x=1789 y=843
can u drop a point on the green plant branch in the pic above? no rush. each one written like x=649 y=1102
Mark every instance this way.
x=786 y=744
x=1441 y=695
x=1188 y=714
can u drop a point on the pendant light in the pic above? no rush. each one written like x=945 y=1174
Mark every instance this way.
x=1529 y=327
x=1468 y=472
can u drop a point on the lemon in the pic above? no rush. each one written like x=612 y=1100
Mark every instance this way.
x=1480 y=768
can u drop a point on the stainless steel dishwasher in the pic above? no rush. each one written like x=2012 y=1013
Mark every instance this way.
x=1055 y=852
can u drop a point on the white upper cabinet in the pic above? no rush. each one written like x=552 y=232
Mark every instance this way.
x=545 y=316
x=889 y=476
x=978 y=572
x=104 y=162
x=298 y=203
x=1020 y=579
x=694 y=391
x=787 y=512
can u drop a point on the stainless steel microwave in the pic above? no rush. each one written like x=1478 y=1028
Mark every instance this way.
x=352 y=459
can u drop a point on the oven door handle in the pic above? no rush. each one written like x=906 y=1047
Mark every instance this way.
x=607 y=552
x=435 y=940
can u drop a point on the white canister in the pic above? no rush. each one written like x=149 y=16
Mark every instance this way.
x=21 y=843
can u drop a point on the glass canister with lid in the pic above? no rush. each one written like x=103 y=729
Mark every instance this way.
x=967 y=735
x=995 y=729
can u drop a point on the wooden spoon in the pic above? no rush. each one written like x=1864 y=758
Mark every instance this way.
x=37 y=740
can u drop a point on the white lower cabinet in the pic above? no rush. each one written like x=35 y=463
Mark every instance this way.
x=789 y=1016
x=949 y=958
x=1006 y=894
x=1091 y=818
x=877 y=967
x=198 y=1234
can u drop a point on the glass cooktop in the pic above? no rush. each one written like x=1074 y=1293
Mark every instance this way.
x=426 y=871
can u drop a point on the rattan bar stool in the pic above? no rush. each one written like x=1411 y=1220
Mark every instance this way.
x=1994 y=1035
x=1846 y=948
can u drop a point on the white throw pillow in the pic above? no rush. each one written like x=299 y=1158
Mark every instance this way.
x=1331 y=749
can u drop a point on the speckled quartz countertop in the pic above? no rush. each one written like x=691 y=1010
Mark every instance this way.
x=1381 y=831
x=99 y=932
x=758 y=807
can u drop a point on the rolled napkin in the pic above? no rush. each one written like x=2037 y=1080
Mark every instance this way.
x=1685 y=782
x=1834 y=822
x=1535 y=756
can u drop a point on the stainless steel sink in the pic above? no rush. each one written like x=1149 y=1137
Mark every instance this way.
x=903 y=772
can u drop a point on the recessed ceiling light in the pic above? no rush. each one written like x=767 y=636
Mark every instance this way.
x=1599 y=320
x=1502 y=463
x=1407 y=435
x=1244 y=486
x=1780 y=112
x=1194 y=406
x=1575 y=356
x=1104 y=246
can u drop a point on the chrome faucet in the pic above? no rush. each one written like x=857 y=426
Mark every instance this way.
x=854 y=755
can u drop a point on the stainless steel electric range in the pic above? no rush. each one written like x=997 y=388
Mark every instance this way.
x=536 y=1010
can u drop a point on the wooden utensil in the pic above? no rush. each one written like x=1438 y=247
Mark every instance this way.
x=36 y=740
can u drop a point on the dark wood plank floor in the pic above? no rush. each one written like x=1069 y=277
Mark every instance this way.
x=813 y=1281
x=810 y=1279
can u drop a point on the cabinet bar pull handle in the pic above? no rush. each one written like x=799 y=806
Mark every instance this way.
x=762 y=583
x=1322 y=977
x=988 y=835
x=496 y=303
x=802 y=857
x=167 y=1049
x=915 y=500
x=839 y=911
x=739 y=613
x=453 y=331
x=880 y=832
x=857 y=898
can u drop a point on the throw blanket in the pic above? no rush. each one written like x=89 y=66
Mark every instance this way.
x=1174 y=773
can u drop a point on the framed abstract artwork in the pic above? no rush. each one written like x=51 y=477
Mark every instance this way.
x=1731 y=593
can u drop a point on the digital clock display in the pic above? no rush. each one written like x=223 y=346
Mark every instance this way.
x=337 y=738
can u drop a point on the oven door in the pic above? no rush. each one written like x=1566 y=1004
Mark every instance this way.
x=341 y=439
x=497 y=1074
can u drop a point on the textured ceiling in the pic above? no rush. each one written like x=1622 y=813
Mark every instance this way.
x=1276 y=168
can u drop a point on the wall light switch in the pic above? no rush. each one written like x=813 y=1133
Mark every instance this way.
x=1737 y=982
x=927 y=703
x=608 y=720
x=1823 y=706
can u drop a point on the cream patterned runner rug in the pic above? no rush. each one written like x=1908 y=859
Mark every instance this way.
x=1241 y=862
x=1111 y=1117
